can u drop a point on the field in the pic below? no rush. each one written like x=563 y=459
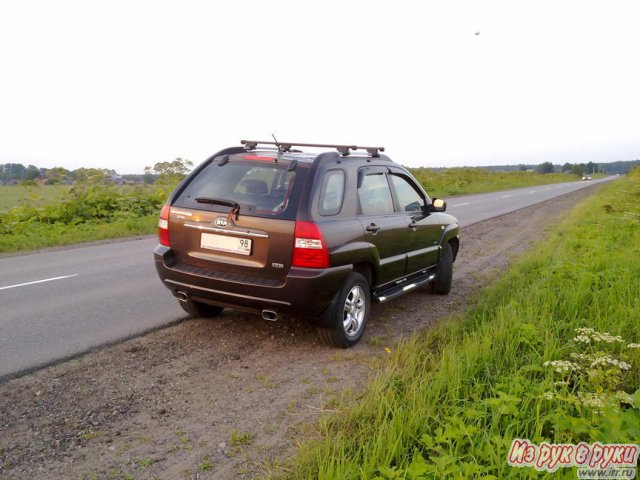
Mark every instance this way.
x=548 y=353
x=49 y=215
x=462 y=181
x=12 y=196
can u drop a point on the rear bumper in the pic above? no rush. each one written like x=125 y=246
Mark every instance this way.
x=305 y=292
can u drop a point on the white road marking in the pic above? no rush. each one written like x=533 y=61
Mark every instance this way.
x=506 y=196
x=533 y=191
x=38 y=281
x=460 y=204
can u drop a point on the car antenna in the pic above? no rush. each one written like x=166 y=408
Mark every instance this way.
x=279 y=149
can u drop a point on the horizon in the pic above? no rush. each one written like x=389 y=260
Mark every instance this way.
x=128 y=85
x=512 y=165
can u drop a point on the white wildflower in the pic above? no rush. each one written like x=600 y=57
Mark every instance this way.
x=585 y=331
x=547 y=396
x=603 y=360
x=606 y=337
x=562 y=365
x=586 y=335
x=607 y=360
x=560 y=384
x=582 y=339
x=624 y=397
x=633 y=345
x=624 y=366
x=593 y=400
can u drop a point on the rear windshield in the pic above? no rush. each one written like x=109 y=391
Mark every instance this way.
x=261 y=189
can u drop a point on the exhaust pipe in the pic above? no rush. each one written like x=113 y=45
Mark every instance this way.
x=270 y=315
x=182 y=296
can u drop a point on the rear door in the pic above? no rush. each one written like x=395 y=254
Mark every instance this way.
x=384 y=228
x=237 y=219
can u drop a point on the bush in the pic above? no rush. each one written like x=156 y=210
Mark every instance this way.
x=107 y=211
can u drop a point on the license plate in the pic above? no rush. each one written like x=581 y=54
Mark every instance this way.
x=241 y=246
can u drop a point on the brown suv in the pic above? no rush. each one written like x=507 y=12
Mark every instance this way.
x=274 y=230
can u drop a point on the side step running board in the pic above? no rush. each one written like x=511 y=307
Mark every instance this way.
x=403 y=288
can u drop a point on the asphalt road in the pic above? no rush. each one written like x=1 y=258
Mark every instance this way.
x=59 y=303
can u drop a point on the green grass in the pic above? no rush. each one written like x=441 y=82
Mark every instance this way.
x=461 y=181
x=86 y=213
x=12 y=196
x=450 y=400
x=35 y=235
x=240 y=438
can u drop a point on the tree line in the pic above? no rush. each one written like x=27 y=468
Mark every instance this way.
x=18 y=173
x=589 y=168
x=164 y=173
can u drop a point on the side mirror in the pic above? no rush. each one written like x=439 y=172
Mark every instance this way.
x=438 y=205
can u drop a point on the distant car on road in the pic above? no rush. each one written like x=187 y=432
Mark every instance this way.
x=273 y=230
x=586 y=178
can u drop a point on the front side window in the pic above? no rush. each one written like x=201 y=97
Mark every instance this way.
x=408 y=198
x=374 y=195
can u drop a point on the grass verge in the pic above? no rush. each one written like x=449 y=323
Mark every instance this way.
x=36 y=235
x=85 y=213
x=548 y=353
x=462 y=181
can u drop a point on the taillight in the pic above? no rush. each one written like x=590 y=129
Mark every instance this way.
x=309 y=249
x=163 y=226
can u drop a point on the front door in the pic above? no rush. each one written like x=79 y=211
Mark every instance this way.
x=423 y=229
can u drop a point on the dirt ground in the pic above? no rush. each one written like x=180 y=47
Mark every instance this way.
x=226 y=398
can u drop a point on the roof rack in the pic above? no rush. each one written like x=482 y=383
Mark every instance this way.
x=286 y=146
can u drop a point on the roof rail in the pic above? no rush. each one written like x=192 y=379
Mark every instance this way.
x=286 y=146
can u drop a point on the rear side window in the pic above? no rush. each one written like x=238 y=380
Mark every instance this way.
x=264 y=190
x=374 y=195
x=332 y=193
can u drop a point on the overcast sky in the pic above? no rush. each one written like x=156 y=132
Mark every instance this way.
x=127 y=84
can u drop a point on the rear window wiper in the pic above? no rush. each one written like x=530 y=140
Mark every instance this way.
x=235 y=206
x=218 y=201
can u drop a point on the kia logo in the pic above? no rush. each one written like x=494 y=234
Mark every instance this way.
x=222 y=222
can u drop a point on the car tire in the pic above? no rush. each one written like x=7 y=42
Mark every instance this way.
x=444 y=273
x=347 y=318
x=198 y=309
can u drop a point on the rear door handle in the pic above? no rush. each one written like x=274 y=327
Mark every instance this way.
x=373 y=228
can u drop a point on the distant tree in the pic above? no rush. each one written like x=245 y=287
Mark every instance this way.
x=31 y=173
x=148 y=177
x=566 y=167
x=170 y=173
x=590 y=168
x=91 y=176
x=57 y=175
x=578 y=169
x=522 y=167
x=546 y=167
x=12 y=171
